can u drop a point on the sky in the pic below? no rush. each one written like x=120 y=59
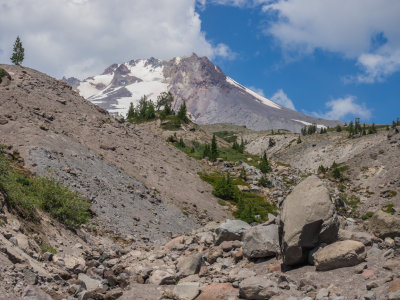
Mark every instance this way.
x=336 y=59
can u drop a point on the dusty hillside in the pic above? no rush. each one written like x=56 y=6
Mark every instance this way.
x=58 y=132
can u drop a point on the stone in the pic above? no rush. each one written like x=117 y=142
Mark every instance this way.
x=160 y=277
x=72 y=262
x=308 y=218
x=189 y=265
x=257 y=288
x=261 y=241
x=32 y=292
x=213 y=254
x=359 y=236
x=370 y=296
x=30 y=277
x=186 y=290
x=322 y=294
x=231 y=230
x=371 y=285
x=394 y=286
x=312 y=253
x=175 y=242
x=217 y=291
x=340 y=254
x=90 y=283
x=113 y=294
x=394 y=296
x=384 y=225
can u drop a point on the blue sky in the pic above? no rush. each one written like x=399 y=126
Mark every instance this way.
x=310 y=80
x=337 y=59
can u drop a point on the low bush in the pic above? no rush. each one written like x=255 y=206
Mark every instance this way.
x=27 y=193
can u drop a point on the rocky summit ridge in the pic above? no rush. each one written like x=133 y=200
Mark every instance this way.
x=210 y=95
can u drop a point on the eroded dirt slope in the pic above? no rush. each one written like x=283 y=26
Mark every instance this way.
x=61 y=134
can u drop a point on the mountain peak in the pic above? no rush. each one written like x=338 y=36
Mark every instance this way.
x=210 y=95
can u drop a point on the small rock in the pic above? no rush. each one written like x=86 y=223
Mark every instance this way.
x=186 y=290
x=257 y=287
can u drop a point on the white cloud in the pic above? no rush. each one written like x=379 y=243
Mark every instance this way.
x=341 y=26
x=82 y=37
x=344 y=108
x=281 y=98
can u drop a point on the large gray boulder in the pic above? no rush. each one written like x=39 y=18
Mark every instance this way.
x=308 y=218
x=384 y=225
x=231 y=230
x=339 y=255
x=261 y=241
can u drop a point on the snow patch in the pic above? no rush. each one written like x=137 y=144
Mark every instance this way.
x=259 y=98
x=308 y=123
x=88 y=88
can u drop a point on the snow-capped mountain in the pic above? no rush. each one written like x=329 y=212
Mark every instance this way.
x=210 y=95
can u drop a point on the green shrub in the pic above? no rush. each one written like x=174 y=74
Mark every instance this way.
x=264 y=181
x=26 y=194
x=388 y=208
x=225 y=189
x=367 y=216
x=47 y=248
x=250 y=207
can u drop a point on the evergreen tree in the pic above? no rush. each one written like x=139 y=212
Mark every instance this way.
x=225 y=189
x=264 y=166
x=394 y=124
x=338 y=128
x=241 y=148
x=131 y=112
x=235 y=146
x=387 y=128
x=351 y=129
x=398 y=122
x=207 y=151
x=181 y=144
x=18 y=52
x=243 y=174
x=299 y=140
x=214 y=148
x=373 y=128
x=357 y=126
x=182 y=113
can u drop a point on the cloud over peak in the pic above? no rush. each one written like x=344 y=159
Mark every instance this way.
x=81 y=37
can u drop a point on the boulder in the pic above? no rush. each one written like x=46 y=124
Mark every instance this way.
x=257 y=287
x=189 y=265
x=186 y=290
x=90 y=283
x=308 y=218
x=339 y=255
x=32 y=292
x=213 y=254
x=261 y=241
x=363 y=237
x=72 y=262
x=160 y=277
x=231 y=230
x=384 y=225
x=217 y=291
